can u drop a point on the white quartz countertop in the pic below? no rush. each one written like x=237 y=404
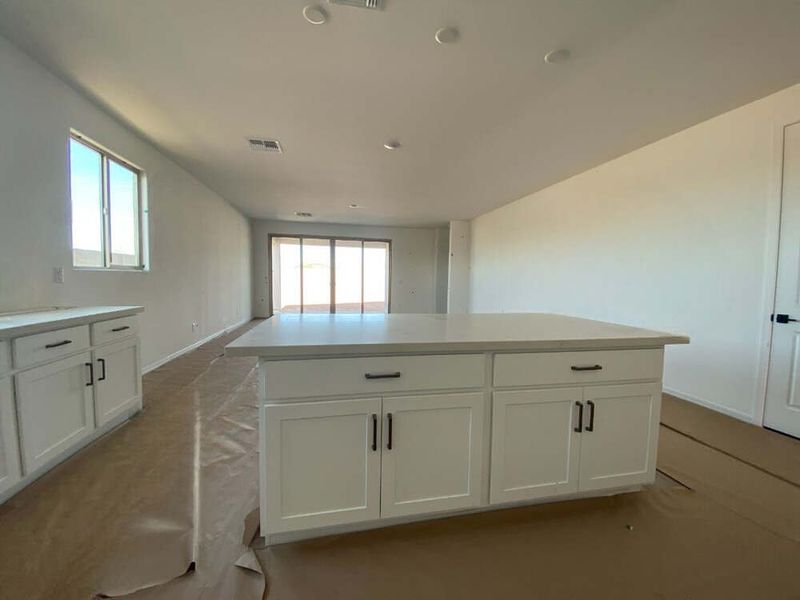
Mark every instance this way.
x=298 y=336
x=25 y=323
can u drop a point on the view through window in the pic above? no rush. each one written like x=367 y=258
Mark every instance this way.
x=329 y=275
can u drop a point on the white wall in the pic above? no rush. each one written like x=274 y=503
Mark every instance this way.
x=416 y=274
x=199 y=244
x=679 y=235
x=458 y=278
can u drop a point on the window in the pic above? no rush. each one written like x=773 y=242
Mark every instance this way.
x=329 y=275
x=107 y=208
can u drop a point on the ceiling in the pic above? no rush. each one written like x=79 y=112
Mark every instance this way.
x=482 y=121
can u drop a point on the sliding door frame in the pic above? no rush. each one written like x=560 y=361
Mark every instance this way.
x=332 y=240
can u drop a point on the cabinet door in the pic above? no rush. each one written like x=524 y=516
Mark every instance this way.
x=118 y=384
x=535 y=448
x=432 y=449
x=55 y=408
x=10 y=469
x=322 y=463
x=620 y=434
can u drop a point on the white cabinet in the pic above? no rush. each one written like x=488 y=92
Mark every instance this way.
x=620 y=435
x=431 y=453
x=117 y=379
x=322 y=462
x=535 y=444
x=10 y=468
x=55 y=408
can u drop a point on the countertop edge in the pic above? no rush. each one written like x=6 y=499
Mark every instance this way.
x=62 y=323
x=342 y=350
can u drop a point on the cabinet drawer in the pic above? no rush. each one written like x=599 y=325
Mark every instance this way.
x=43 y=347
x=369 y=375
x=547 y=368
x=5 y=357
x=112 y=330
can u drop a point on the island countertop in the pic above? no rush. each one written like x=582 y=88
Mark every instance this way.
x=297 y=336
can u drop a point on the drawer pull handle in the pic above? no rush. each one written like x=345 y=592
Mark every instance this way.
x=374 y=432
x=393 y=375
x=123 y=328
x=579 y=426
x=589 y=368
x=389 y=441
x=58 y=344
x=91 y=373
x=590 y=426
x=102 y=362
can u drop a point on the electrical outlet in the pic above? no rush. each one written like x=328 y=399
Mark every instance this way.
x=195 y=325
x=58 y=274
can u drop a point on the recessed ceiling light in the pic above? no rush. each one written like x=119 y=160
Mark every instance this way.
x=557 y=56
x=315 y=15
x=301 y=213
x=446 y=35
x=392 y=145
x=353 y=205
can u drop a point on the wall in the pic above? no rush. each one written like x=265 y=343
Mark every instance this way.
x=679 y=235
x=458 y=279
x=416 y=256
x=199 y=244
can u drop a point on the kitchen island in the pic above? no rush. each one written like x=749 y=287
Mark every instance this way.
x=371 y=420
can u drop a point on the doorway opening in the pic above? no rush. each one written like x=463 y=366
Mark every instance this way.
x=326 y=275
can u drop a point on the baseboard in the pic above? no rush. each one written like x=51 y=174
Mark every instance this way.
x=731 y=412
x=197 y=344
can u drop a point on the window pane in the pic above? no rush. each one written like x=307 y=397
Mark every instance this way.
x=124 y=215
x=376 y=280
x=316 y=276
x=285 y=275
x=348 y=276
x=86 y=193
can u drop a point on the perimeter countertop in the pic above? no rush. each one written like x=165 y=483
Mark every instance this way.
x=298 y=336
x=26 y=323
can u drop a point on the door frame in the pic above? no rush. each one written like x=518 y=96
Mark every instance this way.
x=332 y=238
x=772 y=247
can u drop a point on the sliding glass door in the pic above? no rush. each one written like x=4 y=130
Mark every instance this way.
x=329 y=275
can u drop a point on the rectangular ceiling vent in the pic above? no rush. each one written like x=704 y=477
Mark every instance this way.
x=264 y=145
x=371 y=4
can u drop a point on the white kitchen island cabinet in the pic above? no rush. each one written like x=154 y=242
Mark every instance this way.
x=371 y=420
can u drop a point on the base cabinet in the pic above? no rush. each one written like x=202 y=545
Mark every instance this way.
x=344 y=461
x=55 y=408
x=10 y=467
x=118 y=385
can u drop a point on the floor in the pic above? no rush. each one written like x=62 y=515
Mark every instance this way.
x=162 y=508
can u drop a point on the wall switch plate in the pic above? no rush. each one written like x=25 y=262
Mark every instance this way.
x=58 y=274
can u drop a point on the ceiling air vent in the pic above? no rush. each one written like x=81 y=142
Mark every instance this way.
x=264 y=145
x=372 y=4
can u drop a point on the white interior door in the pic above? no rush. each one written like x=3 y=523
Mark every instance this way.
x=432 y=448
x=620 y=435
x=322 y=463
x=782 y=409
x=117 y=384
x=10 y=469
x=535 y=444
x=55 y=409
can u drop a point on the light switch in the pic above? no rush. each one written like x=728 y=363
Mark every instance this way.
x=58 y=274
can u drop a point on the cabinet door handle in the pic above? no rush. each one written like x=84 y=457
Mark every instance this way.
x=389 y=440
x=123 y=328
x=58 y=344
x=374 y=432
x=102 y=362
x=393 y=375
x=579 y=426
x=91 y=373
x=590 y=426
x=587 y=368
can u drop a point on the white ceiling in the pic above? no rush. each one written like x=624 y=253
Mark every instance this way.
x=482 y=122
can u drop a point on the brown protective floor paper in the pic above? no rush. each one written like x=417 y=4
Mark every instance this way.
x=141 y=506
x=769 y=451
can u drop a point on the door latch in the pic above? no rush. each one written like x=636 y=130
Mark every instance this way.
x=781 y=318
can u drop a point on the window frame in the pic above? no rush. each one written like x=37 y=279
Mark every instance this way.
x=106 y=158
x=332 y=240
